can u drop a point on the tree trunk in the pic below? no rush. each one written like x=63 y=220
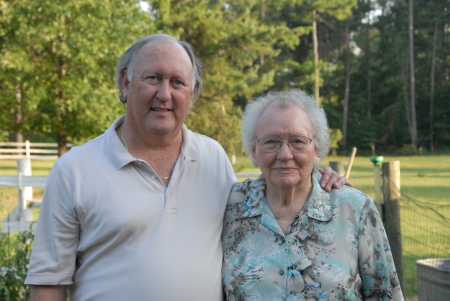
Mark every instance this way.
x=347 y=86
x=61 y=139
x=405 y=90
x=261 y=57
x=368 y=74
x=316 y=58
x=19 y=117
x=432 y=82
x=412 y=94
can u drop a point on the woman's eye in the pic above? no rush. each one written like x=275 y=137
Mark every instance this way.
x=271 y=141
x=297 y=141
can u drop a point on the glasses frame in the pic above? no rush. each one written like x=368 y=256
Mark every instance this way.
x=281 y=143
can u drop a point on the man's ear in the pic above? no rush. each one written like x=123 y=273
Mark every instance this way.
x=124 y=82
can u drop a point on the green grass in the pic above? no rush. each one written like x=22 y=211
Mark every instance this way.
x=423 y=178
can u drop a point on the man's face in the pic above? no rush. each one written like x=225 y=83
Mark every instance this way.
x=160 y=93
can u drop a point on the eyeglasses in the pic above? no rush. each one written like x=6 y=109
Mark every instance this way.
x=296 y=143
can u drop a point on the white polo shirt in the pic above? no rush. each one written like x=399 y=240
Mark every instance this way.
x=109 y=226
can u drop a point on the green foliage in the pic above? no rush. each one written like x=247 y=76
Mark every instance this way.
x=335 y=139
x=15 y=251
x=59 y=60
x=236 y=47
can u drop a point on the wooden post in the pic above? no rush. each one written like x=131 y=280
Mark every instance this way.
x=338 y=167
x=25 y=194
x=377 y=187
x=350 y=163
x=376 y=180
x=392 y=196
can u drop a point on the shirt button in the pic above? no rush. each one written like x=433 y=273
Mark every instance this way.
x=281 y=272
x=153 y=177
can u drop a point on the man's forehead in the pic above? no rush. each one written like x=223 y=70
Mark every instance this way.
x=166 y=46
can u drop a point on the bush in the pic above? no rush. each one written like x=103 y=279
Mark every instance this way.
x=15 y=251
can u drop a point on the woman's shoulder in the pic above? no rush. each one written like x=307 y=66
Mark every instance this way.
x=350 y=196
x=240 y=190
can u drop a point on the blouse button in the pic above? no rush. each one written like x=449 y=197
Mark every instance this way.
x=281 y=272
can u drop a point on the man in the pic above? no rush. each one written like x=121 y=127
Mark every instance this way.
x=136 y=214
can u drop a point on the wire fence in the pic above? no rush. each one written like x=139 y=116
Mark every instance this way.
x=425 y=234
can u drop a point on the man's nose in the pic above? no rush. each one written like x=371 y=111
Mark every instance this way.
x=164 y=91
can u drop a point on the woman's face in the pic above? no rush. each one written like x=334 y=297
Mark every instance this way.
x=284 y=167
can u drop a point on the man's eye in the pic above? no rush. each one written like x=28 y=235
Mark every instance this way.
x=153 y=77
x=178 y=82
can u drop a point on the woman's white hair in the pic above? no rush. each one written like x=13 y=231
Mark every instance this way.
x=128 y=62
x=285 y=100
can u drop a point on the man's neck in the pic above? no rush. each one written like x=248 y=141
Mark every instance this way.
x=159 y=151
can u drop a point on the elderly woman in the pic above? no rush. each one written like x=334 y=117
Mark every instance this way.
x=285 y=238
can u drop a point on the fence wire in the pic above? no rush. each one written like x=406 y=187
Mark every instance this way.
x=425 y=234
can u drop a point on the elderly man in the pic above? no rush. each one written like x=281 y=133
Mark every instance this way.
x=136 y=214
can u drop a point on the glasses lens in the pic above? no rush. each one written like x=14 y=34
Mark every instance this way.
x=299 y=143
x=296 y=143
x=270 y=144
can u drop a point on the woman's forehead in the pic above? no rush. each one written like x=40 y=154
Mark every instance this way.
x=289 y=120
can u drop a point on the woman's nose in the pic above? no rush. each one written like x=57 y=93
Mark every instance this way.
x=285 y=152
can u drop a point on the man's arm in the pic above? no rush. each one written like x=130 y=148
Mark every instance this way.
x=48 y=292
x=330 y=179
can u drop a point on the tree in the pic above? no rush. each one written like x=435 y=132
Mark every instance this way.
x=59 y=58
x=230 y=39
x=432 y=83
x=412 y=82
x=347 y=85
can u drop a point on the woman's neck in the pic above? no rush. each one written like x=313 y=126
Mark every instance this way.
x=286 y=202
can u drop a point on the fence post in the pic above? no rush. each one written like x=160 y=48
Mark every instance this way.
x=392 y=196
x=24 y=193
x=27 y=151
x=338 y=167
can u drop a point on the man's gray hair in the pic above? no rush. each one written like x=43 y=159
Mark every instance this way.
x=128 y=61
x=285 y=100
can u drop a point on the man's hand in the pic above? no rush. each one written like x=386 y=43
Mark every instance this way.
x=330 y=179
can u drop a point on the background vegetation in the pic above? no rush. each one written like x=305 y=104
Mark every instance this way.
x=57 y=60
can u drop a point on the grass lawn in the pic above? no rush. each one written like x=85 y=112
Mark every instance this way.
x=423 y=178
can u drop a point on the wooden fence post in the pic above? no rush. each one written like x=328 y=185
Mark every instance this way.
x=392 y=196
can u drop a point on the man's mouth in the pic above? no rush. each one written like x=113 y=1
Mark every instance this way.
x=161 y=110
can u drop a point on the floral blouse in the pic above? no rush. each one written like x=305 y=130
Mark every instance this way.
x=335 y=249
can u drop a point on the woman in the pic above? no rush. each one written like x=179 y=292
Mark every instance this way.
x=285 y=238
